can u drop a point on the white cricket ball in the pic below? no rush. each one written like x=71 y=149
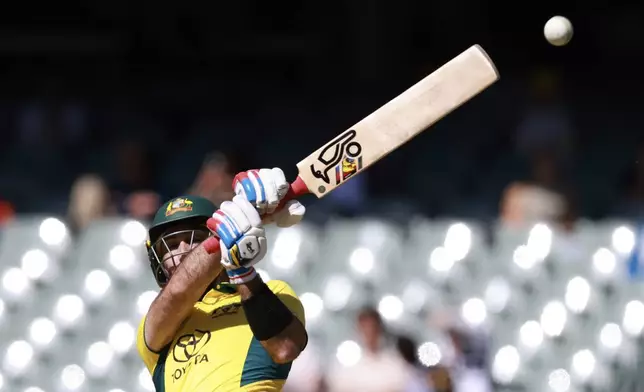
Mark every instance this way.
x=558 y=30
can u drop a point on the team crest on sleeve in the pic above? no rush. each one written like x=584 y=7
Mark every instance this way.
x=178 y=205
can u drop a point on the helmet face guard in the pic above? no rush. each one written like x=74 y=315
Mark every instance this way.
x=168 y=243
x=182 y=219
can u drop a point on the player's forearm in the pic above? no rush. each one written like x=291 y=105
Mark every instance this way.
x=173 y=304
x=196 y=271
x=272 y=323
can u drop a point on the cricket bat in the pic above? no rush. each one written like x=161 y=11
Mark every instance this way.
x=395 y=123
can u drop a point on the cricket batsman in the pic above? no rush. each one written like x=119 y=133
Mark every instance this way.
x=215 y=326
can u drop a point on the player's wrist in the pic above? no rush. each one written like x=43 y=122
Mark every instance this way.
x=267 y=315
x=241 y=275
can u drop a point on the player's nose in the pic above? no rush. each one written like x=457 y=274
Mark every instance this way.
x=184 y=246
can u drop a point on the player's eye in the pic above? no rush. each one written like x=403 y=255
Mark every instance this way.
x=173 y=241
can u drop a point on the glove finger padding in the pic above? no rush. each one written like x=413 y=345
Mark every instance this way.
x=248 y=210
x=248 y=185
x=280 y=182
x=291 y=214
x=265 y=189
x=270 y=190
x=237 y=216
x=242 y=238
x=260 y=191
x=233 y=219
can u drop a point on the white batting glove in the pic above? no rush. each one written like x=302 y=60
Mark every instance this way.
x=265 y=189
x=242 y=238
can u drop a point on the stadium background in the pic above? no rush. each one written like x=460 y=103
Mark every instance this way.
x=108 y=109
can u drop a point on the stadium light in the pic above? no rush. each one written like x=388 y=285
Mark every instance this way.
x=611 y=336
x=390 y=307
x=35 y=263
x=15 y=283
x=123 y=259
x=559 y=380
x=474 y=312
x=577 y=294
x=623 y=240
x=337 y=292
x=531 y=334
x=121 y=337
x=72 y=377
x=539 y=241
x=313 y=305
x=583 y=363
x=348 y=353
x=42 y=332
x=458 y=241
x=33 y=389
x=97 y=284
x=440 y=260
x=633 y=322
x=144 y=301
x=553 y=318
x=362 y=260
x=497 y=294
x=18 y=357
x=506 y=364
x=429 y=354
x=524 y=258
x=98 y=358
x=415 y=295
x=69 y=309
x=286 y=248
x=145 y=380
x=604 y=261
x=133 y=233
x=52 y=232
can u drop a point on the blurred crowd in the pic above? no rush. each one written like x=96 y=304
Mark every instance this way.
x=93 y=198
x=388 y=361
x=538 y=164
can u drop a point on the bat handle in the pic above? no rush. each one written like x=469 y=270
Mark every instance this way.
x=296 y=189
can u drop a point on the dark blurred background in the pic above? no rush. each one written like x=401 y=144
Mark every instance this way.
x=139 y=94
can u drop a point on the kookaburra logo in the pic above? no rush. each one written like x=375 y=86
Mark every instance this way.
x=332 y=154
x=249 y=247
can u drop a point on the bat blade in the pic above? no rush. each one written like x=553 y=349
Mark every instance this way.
x=395 y=123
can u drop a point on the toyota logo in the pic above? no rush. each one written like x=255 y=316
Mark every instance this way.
x=189 y=345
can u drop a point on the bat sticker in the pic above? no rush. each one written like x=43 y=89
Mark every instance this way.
x=344 y=149
x=347 y=168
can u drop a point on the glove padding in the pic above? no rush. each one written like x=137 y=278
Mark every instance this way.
x=242 y=238
x=265 y=189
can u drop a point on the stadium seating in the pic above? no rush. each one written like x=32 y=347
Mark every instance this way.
x=558 y=308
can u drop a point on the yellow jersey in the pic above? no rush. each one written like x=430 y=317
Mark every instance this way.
x=215 y=350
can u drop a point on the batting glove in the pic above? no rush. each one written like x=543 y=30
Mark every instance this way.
x=242 y=238
x=265 y=189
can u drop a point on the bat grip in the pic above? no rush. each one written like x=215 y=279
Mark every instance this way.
x=211 y=245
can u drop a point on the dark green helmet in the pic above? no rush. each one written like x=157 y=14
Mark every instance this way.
x=189 y=214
